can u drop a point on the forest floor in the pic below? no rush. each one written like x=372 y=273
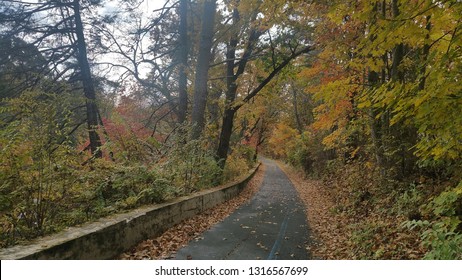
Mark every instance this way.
x=344 y=230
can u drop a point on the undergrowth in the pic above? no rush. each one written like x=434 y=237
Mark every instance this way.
x=47 y=183
x=412 y=218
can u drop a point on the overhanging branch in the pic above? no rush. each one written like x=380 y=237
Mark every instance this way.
x=276 y=70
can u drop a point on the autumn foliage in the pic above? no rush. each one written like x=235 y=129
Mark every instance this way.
x=363 y=95
x=386 y=90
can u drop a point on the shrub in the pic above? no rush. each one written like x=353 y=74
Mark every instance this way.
x=190 y=166
x=306 y=151
x=37 y=161
x=409 y=202
x=441 y=234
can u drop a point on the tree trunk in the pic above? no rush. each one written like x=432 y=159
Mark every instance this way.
x=202 y=69
x=298 y=122
x=88 y=86
x=228 y=119
x=213 y=107
x=425 y=53
x=183 y=60
x=375 y=125
x=225 y=137
x=230 y=97
x=398 y=51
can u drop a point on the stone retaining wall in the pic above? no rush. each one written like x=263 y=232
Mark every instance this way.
x=108 y=237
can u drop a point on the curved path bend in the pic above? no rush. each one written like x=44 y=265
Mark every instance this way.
x=272 y=225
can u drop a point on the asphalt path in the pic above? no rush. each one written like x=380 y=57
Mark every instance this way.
x=272 y=225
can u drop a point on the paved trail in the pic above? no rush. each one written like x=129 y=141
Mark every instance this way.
x=271 y=226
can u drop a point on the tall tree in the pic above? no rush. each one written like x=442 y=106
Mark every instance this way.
x=386 y=77
x=236 y=66
x=183 y=62
x=149 y=48
x=202 y=68
x=87 y=81
x=60 y=37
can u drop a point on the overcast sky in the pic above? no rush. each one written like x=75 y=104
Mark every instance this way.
x=145 y=8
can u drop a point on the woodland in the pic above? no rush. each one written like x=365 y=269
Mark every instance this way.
x=107 y=105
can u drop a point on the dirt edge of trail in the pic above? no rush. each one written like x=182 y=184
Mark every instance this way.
x=166 y=245
x=329 y=232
